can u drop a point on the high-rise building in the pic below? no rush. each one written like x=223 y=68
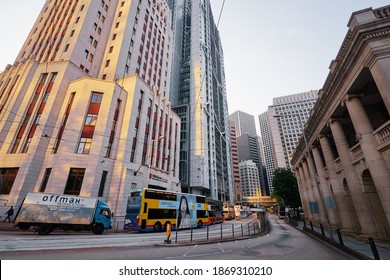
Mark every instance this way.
x=286 y=119
x=237 y=192
x=198 y=96
x=245 y=123
x=249 y=179
x=248 y=144
x=267 y=151
x=249 y=149
x=85 y=107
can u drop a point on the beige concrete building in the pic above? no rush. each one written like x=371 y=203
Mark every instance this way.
x=237 y=192
x=85 y=108
x=344 y=168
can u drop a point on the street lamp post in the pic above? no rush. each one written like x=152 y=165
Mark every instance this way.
x=312 y=171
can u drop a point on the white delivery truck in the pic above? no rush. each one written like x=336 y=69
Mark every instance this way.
x=47 y=212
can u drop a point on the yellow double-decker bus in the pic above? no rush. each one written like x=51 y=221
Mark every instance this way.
x=152 y=210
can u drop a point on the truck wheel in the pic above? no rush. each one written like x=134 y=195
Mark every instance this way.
x=98 y=229
x=44 y=229
x=200 y=224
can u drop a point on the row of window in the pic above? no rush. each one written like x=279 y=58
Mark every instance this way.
x=73 y=184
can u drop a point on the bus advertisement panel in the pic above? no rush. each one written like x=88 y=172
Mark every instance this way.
x=152 y=210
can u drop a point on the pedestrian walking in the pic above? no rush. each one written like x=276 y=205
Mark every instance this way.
x=9 y=214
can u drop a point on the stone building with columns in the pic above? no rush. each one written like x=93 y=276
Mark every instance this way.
x=343 y=161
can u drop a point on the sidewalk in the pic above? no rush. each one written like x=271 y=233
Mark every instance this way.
x=360 y=248
x=6 y=226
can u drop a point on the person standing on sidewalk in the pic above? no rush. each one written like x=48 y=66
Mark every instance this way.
x=9 y=214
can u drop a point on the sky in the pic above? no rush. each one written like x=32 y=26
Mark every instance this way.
x=272 y=48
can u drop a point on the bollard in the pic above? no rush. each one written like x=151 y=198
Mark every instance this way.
x=304 y=223
x=249 y=230
x=322 y=230
x=208 y=232
x=311 y=225
x=373 y=248
x=221 y=231
x=233 y=230
x=242 y=231
x=191 y=233
x=340 y=237
x=254 y=229
x=168 y=234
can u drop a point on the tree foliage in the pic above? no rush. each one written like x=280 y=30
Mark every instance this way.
x=285 y=187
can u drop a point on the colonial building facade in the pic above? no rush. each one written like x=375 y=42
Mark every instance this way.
x=85 y=108
x=344 y=166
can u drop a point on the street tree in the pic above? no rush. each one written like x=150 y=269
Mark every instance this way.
x=285 y=187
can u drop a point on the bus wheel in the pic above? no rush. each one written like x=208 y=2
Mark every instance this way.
x=200 y=224
x=157 y=227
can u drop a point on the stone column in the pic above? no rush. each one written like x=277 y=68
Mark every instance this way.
x=373 y=158
x=346 y=217
x=314 y=217
x=359 y=201
x=303 y=190
x=317 y=196
x=381 y=73
x=324 y=187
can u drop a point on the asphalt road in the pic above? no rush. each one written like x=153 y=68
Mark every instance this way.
x=282 y=243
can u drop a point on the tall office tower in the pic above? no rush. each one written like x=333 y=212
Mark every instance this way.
x=249 y=179
x=267 y=150
x=249 y=149
x=198 y=95
x=237 y=192
x=84 y=108
x=245 y=123
x=248 y=143
x=286 y=118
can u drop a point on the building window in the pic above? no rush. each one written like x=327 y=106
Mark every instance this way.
x=102 y=183
x=84 y=145
x=64 y=121
x=45 y=180
x=7 y=179
x=113 y=128
x=89 y=124
x=75 y=181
